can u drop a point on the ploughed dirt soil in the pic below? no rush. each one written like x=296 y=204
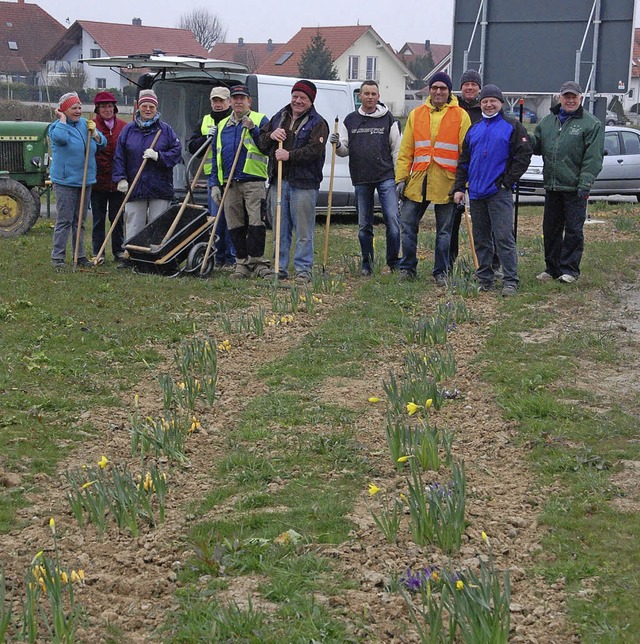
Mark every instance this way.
x=131 y=582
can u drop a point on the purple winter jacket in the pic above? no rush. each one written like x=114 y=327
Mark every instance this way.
x=156 y=180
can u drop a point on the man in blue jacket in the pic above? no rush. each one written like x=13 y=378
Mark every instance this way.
x=495 y=154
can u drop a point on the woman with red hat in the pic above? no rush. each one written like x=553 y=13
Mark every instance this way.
x=105 y=197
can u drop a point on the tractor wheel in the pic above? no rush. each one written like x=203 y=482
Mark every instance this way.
x=37 y=203
x=17 y=208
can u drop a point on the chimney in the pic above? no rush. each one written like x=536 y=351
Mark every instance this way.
x=269 y=44
x=137 y=22
x=240 y=42
x=427 y=45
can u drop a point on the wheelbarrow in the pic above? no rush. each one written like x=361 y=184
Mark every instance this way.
x=150 y=252
x=178 y=234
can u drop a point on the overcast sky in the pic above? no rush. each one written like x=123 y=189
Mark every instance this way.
x=257 y=21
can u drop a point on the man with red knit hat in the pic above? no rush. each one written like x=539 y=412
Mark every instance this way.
x=105 y=198
x=303 y=134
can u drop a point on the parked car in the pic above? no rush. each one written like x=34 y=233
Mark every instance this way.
x=612 y=118
x=620 y=173
x=528 y=116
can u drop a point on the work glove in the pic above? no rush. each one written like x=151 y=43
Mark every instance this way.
x=400 y=189
x=583 y=194
x=91 y=126
x=213 y=131
x=247 y=122
x=334 y=139
x=150 y=153
x=123 y=185
x=216 y=195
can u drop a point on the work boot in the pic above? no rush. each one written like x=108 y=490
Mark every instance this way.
x=260 y=267
x=243 y=270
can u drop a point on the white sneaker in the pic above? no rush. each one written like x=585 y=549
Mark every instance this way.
x=567 y=279
x=544 y=277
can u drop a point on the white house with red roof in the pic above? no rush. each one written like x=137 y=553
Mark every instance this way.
x=358 y=52
x=87 y=39
x=27 y=32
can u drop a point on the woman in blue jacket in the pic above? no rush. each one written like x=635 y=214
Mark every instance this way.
x=153 y=191
x=68 y=137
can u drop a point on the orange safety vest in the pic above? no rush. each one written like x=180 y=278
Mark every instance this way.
x=445 y=149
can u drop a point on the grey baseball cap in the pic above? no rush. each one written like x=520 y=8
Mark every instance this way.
x=570 y=87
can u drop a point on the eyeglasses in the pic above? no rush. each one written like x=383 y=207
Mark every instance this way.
x=439 y=88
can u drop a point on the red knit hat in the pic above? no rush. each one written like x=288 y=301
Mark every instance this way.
x=306 y=87
x=147 y=96
x=67 y=100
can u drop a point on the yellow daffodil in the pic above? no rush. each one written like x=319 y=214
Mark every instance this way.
x=74 y=577
x=403 y=497
x=412 y=408
x=88 y=484
x=136 y=400
x=103 y=462
x=435 y=576
x=64 y=577
x=373 y=489
x=374 y=399
x=81 y=575
x=459 y=584
x=484 y=537
x=52 y=525
x=403 y=459
x=428 y=403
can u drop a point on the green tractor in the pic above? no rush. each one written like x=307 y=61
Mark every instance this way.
x=24 y=164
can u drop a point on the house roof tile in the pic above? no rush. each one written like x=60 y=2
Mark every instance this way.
x=251 y=54
x=32 y=29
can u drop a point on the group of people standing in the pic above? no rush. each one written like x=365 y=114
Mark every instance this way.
x=451 y=149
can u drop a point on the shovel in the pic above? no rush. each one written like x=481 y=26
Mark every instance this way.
x=330 y=199
x=278 y=215
x=467 y=220
x=99 y=258
x=83 y=191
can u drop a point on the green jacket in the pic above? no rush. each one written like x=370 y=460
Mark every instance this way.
x=572 y=153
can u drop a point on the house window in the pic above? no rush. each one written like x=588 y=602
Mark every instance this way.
x=354 y=64
x=101 y=83
x=12 y=45
x=284 y=58
x=372 y=68
x=95 y=53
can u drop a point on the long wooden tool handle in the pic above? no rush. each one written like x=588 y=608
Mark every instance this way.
x=96 y=259
x=183 y=207
x=330 y=196
x=221 y=204
x=470 y=232
x=278 y=214
x=83 y=192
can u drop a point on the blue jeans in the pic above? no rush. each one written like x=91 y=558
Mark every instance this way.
x=297 y=215
x=492 y=220
x=224 y=250
x=105 y=203
x=67 y=208
x=562 y=227
x=389 y=204
x=410 y=216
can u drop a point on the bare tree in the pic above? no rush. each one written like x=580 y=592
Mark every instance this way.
x=73 y=79
x=206 y=27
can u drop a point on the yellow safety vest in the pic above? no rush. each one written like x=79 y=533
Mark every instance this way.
x=255 y=162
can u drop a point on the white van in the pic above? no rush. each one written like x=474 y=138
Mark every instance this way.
x=183 y=85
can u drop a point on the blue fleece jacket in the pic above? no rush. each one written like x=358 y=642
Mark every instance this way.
x=68 y=145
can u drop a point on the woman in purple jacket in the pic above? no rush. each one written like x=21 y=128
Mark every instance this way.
x=153 y=191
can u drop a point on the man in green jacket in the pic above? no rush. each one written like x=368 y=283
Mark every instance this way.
x=571 y=142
